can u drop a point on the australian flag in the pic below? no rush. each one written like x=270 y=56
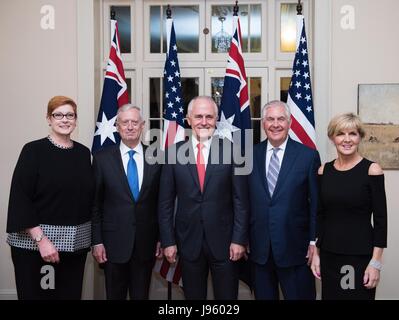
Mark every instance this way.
x=300 y=98
x=114 y=95
x=234 y=111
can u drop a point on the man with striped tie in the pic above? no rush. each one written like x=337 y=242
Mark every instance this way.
x=283 y=197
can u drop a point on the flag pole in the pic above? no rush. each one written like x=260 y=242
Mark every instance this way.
x=299 y=8
x=113 y=13
x=235 y=9
x=169 y=16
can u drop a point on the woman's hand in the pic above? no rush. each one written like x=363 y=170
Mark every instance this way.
x=371 y=277
x=47 y=250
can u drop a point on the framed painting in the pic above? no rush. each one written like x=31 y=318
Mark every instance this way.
x=378 y=107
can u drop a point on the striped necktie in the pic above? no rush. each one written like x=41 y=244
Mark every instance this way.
x=274 y=168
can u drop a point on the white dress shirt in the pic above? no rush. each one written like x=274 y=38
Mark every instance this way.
x=205 y=148
x=280 y=153
x=138 y=157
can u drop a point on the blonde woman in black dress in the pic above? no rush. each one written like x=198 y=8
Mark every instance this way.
x=352 y=217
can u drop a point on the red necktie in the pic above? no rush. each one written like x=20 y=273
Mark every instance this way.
x=200 y=166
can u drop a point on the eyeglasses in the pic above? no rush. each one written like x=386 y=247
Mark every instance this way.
x=60 y=116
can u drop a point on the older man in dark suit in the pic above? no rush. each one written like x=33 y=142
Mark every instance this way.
x=209 y=230
x=283 y=198
x=124 y=222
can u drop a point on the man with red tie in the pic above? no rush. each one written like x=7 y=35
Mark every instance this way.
x=210 y=228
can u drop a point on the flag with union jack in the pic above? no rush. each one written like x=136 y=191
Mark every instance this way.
x=234 y=111
x=300 y=98
x=173 y=128
x=114 y=95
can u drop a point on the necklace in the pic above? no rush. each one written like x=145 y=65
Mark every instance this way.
x=58 y=145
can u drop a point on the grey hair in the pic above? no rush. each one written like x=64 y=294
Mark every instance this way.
x=276 y=103
x=206 y=98
x=127 y=107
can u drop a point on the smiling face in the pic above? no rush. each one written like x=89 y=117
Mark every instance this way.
x=276 y=124
x=130 y=125
x=202 y=119
x=347 y=141
x=65 y=125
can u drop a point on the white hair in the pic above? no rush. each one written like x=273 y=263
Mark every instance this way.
x=206 y=98
x=127 y=107
x=276 y=103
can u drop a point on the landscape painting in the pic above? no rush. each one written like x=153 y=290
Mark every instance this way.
x=378 y=107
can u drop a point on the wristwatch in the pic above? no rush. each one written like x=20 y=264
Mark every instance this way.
x=39 y=237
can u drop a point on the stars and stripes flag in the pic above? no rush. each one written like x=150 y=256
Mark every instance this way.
x=114 y=95
x=173 y=124
x=234 y=111
x=173 y=128
x=300 y=98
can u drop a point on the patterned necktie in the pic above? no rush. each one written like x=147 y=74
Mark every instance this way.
x=274 y=168
x=132 y=175
x=200 y=166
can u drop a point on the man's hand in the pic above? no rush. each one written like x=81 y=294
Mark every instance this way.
x=310 y=253
x=159 y=251
x=315 y=266
x=170 y=253
x=236 y=251
x=98 y=252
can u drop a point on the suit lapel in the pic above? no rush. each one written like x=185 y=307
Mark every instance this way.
x=118 y=164
x=146 y=173
x=261 y=159
x=290 y=155
x=192 y=165
x=210 y=166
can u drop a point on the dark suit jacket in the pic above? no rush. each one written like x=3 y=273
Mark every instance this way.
x=286 y=221
x=119 y=222
x=220 y=212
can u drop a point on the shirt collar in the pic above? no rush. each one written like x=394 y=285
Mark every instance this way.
x=125 y=149
x=206 y=143
x=281 y=146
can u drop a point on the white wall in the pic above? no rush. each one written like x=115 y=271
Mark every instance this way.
x=38 y=64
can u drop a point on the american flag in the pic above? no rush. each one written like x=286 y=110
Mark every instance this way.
x=234 y=111
x=300 y=98
x=114 y=95
x=173 y=128
x=173 y=124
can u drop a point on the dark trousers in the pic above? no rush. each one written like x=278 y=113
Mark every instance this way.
x=35 y=278
x=297 y=282
x=195 y=276
x=133 y=277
